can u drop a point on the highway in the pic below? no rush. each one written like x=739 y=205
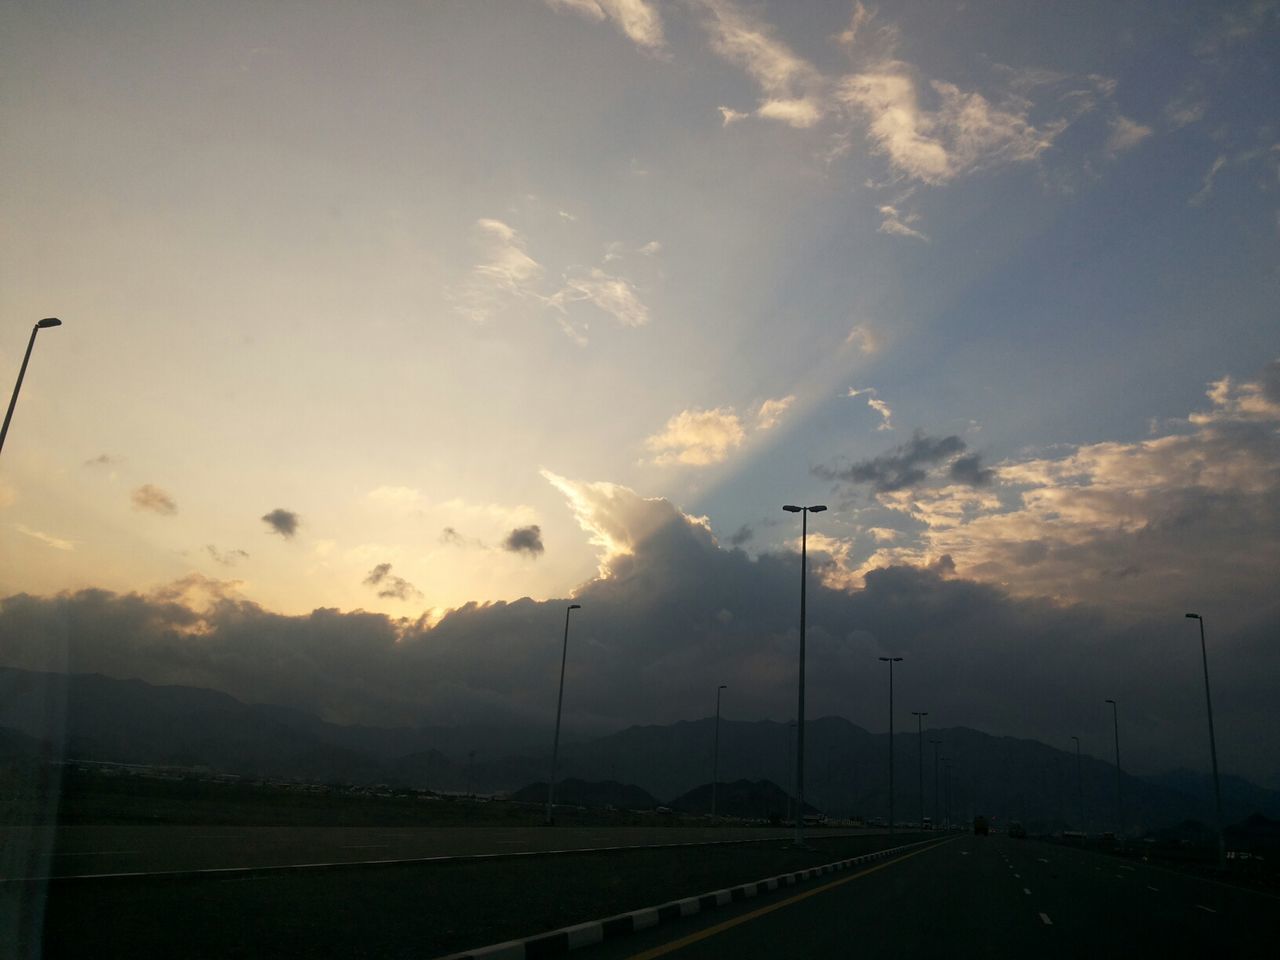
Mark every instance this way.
x=978 y=897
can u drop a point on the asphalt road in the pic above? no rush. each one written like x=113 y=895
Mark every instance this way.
x=979 y=897
x=95 y=850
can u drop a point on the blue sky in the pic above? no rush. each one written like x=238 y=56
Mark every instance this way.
x=425 y=276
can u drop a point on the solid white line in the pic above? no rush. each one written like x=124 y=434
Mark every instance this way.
x=95 y=853
x=1201 y=906
x=1047 y=921
x=1153 y=889
x=1042 y=859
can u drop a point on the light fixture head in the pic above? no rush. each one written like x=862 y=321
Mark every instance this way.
x=819 y=508
x=1193 y=616
x=49 y=322
x=791 y=508
x=575 y=606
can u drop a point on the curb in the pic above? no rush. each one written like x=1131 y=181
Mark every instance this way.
x=561 y=941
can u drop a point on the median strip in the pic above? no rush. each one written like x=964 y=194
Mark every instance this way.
x=570 y=938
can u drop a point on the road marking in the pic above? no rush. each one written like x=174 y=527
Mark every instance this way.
x=1042 y=859
x=1201 y=906
x=1153 y=889
x=1017 y=876
x=1026 y=891
x=365 y=846
x=964 y=853
x=1047 y=921
x=97 y=853
x=674 y=945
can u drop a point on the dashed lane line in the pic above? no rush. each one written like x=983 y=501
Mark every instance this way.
x=1201 y=906
x=1045 y=918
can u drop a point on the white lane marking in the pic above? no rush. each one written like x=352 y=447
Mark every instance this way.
x=964 y=853
x=1201 y=906
x=1026 y=891
x=365 y=846
x=1047 y=921
x=1153 y=889
x=1119 y=876
x=1042 y=859
x=96 y=853
x=1018 y=876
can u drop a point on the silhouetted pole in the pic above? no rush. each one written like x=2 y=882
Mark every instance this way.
x=1115 y=722
x=937 y=818
x=555 y=744
x=890 y=661
x=22 y=372
x=920 y=737
x=790 y=774
x=804 y=536
x=1079 y=784
x=715 y=764
x=1213 y=746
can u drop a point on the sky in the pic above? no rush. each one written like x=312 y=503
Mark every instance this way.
x=389 y=329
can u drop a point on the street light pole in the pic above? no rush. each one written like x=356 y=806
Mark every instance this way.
x=890 y=661
x=1079 y=784
x=1213 y=746
x=555 y=744
x=937 y=820
x=920 y=738
x=22 y=372
x=804 y=536
x=946 y=762
x=1115 y=722
x=715 y=764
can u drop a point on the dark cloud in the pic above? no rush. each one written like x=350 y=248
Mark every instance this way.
x=228 y=558
x=1271 y=381
x=390 y=586
x=101 y=460
x=526 y=540
x=743 y=534
x=148 y=497
x=904 y=466
x=450 y=535
x=970 y=471
x=283 y=522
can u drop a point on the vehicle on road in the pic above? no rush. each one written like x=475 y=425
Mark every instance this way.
x=980 y=827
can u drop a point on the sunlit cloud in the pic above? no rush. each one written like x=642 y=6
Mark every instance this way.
x=876 y=404
x=1125 y=134
x=614 y=295
x=394 y=496
x=57 y=543
x=697 y=437
x=228 y=558
x=895 y=223
x=638 y=19
x=770 y=413
x=865 y=338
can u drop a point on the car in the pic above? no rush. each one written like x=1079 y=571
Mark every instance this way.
x=980 y=827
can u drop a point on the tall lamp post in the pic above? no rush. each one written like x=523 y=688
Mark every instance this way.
x=555 y=744
x=1115 y=723
x=1079 y=785
x=715 y=763
x=1213 y=745
x=920 y=715
x=890 y=661
x=22 y=371
x=937 y=819
x=804 y=536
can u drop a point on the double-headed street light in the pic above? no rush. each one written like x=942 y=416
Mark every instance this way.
x=22 y=372
x=555 y=744
x=890 y=661
x=715 y=763
x=920 y=715
x=804 y=536
x=1115 y=722
x=1213 y=745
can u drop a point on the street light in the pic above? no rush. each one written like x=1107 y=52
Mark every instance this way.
x=920 y=735
x=715 y=763
x=1079 y=784
x=22 y=372
x=1115 y=722
x=937 y=820
x=555 y=744
x=1213 y=746
x=890 y=661
x=804 y=536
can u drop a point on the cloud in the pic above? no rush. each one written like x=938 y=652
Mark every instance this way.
x=905 y=466
x=742 y=535
x=228 y=558
x=882 y=534
x=102 y=460
x=397 y=497
x=651 y=249
x=970 y=472
x=729 y=115
x=57 y=543
x=865 y=338
x=389 y=586
x=1206 y=187
x=526 y=540
x=283 y=522
x=771 y=411
x=697 y=437
x=791 y=88
x=876 y=404
x=892 y=222
x=1125 y=134
x=638 y=19
x=505 y=274
x=614 y=295
x=148 y=497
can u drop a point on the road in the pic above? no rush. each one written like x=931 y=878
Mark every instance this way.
x=96 y=850
x=978 y=897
